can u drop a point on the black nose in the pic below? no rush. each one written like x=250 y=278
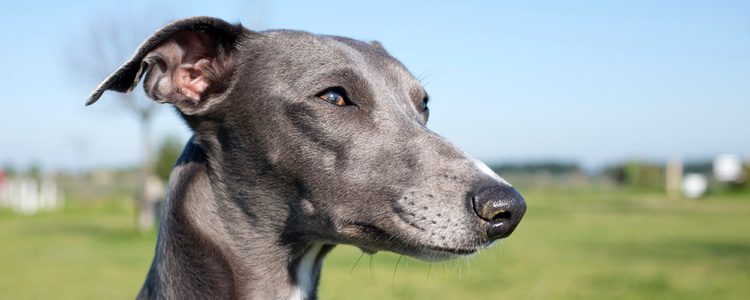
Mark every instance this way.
x=501 y=206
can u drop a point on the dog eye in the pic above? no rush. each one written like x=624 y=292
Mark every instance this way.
x=335 y=96
x=424 y=103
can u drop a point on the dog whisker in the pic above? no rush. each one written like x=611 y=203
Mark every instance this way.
x=372 y=272
x=393 y=278
x=429 y=269
x=426 y=74
x=356 y=262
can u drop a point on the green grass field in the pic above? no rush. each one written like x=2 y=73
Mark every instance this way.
x=571 y=245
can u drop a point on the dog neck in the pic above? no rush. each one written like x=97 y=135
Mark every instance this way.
x=210 y=243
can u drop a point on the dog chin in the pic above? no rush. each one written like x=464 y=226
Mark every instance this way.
x=368 y=250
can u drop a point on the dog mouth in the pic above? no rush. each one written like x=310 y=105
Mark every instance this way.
x=372 y=239
x=454 y=251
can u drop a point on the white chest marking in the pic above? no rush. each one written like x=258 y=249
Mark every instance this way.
x=305 y=273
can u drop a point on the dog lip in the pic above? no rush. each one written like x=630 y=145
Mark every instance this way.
x=455 y=251
x=437 y=253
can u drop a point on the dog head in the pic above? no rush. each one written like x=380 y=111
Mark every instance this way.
x=334 y=128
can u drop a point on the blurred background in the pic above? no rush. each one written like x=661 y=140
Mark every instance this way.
x=625 y=124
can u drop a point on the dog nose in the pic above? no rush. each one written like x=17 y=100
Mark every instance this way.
x=502 y=207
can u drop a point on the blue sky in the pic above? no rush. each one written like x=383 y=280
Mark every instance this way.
x=589 y=81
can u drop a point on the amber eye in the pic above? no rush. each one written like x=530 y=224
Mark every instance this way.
x=335 y=96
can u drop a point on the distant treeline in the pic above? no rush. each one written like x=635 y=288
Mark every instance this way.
x=566 y=167
x=648 y=175
x=545 y=167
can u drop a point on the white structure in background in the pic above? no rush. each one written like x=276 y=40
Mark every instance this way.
x=28 y=196
x=674 y=178
x=728 y=168
x=694 y=185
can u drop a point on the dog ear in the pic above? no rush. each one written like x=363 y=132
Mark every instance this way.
x=184 y=63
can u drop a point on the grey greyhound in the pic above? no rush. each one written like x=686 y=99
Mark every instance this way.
x=301 y=142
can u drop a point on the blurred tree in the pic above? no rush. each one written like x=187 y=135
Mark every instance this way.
x=9 y=170
x=699 y=166
x=637 y=175
x=169 y=150
x=34 y=171
x=111 y=40
x=746 y=176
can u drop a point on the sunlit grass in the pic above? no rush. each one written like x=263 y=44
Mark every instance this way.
x=579 y=246
x=571 y=245
x=86 y=251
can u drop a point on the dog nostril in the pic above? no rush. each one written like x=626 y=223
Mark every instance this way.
x=501 y=216
x=488 y=211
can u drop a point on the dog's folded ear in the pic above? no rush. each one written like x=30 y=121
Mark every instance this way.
x=185 y=63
